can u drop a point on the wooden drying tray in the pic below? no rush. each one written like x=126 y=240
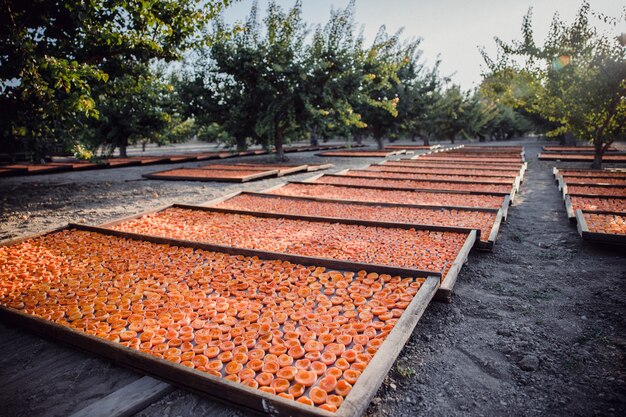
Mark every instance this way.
x=505 y=203
x=232 y=393
x=583 y=230
x=406 y=163
x=411 y=147
x=575 y=149
x=486 y=245
x=444 y=293
x=514 y=181
x=510 y=193
x=162 y=175
x=361 y=154
x=607 y=159
x=565 y=189
x=571 y=213
x=441 y=171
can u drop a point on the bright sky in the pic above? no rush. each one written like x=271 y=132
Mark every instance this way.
x=451 y=29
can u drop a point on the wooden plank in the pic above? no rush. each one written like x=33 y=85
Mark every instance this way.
x=571 y=214
x=505 y=206
x=231 y=250
x=367 y=385
x=583 y=230
x=444 y=293
x=493 y=235
x=128 y=400
x=223 y=198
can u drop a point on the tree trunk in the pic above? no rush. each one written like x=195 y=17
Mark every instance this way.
x=379 y=142
x=413 y=137
x=241 y=144
x=123 y=146
x=314 y=139
x=426 y=139
x=278 y=144
x=598 y=153
x=452 y=140
x=358 y=138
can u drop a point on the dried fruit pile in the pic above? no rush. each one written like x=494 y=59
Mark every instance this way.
x=413 y=176
x=413 y=184
x=418 y=249
x=391 y=196
x=473 y=219
x=606 y=223
x=445 y=171
x=303 y=333
x=591 y=190
x=598 y=204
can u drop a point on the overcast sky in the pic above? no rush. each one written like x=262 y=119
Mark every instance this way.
x=452 y=29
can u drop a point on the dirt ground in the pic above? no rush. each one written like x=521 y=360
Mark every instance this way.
x=535 y=328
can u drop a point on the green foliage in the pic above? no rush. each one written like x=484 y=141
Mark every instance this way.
x=55 y=54
x=577 y=78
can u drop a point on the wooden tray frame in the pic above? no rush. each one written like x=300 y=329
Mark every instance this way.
x=565 y=189
x=512 y=180
x=251 y=177
x=237 y=394
x=479 y=244
x=510 y=193
x=583 y=230
x=543 y=156
x=390 y=168
x=505 y=204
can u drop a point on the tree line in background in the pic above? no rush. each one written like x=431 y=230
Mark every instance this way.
x=96 y=76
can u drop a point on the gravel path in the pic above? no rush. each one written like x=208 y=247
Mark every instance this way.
x=536 y=327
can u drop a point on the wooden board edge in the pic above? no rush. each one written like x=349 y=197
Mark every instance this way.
x=127 y=400
x=495 y=229
x=581 y=223
x=444 y=293
x=511 y=181
x=569 y=208
x=134 y=216
x=220 y=199
x=367 y=385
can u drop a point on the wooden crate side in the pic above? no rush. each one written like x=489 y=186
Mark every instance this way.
x=444 y=293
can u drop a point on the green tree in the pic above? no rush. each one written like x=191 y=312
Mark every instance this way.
x=582 y=78
x=54 y=53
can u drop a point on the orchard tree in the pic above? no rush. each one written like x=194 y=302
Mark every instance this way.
x=54 y=53
x=582 y=74
x=332 y=77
